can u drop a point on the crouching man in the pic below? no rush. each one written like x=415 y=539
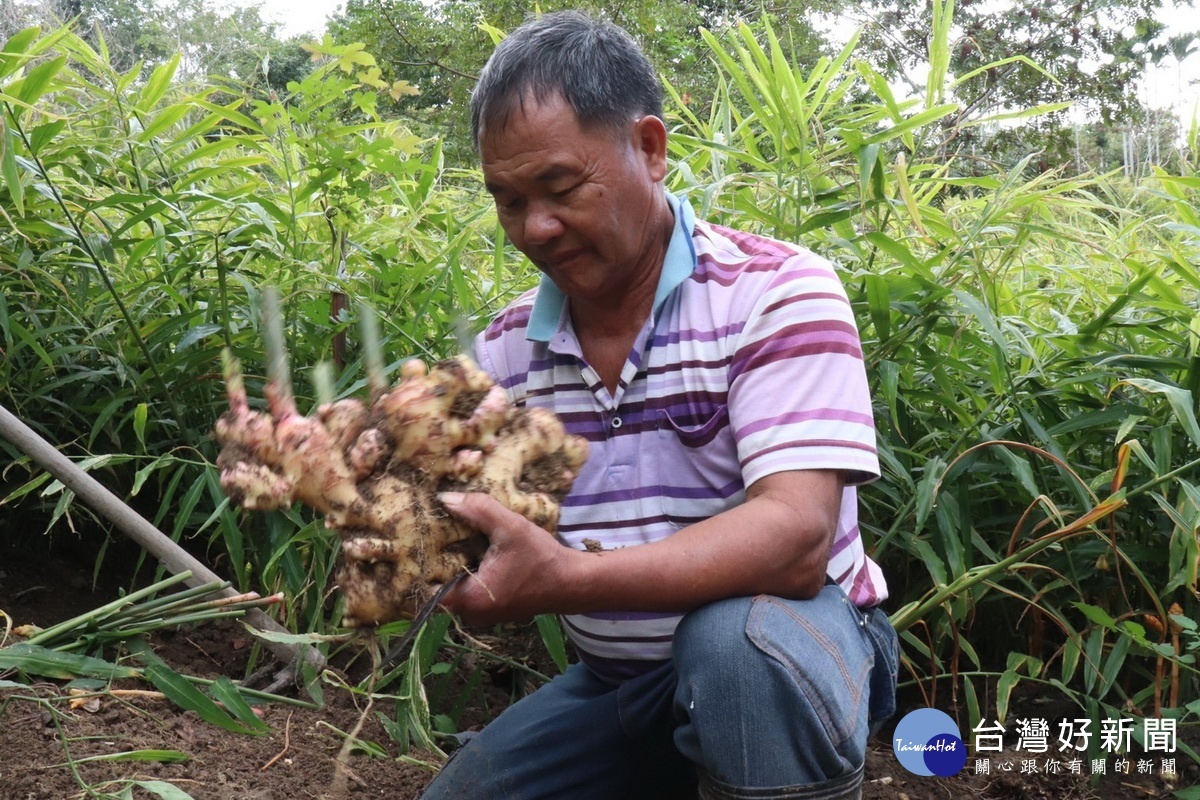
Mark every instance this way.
x=728 y=629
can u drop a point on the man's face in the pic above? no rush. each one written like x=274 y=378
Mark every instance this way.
x=583 y=204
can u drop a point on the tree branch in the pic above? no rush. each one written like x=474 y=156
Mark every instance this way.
x=428 y=62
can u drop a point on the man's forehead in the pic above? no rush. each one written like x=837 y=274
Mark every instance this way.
x=522 y=107
x=515 y=107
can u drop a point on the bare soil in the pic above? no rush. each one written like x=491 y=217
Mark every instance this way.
x=299 y=758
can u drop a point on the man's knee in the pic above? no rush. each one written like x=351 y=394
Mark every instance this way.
x=809 y=643
x=799 y=669
x=713 y=637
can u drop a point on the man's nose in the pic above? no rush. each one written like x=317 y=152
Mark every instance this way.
x=542 y=225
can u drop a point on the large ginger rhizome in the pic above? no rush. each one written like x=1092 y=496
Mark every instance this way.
x=374 y=470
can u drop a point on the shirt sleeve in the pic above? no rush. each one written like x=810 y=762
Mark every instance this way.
x=798 y=396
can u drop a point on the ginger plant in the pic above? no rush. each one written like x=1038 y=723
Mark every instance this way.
x=374 y=470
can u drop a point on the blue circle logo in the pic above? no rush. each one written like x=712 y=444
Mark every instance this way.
x=927 y=742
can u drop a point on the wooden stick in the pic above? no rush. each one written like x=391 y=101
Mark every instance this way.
x=136 y=527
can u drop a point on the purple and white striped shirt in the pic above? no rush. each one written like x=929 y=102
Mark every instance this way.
x=749 y=364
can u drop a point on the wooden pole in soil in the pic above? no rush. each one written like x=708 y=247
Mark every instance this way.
x=136 y=527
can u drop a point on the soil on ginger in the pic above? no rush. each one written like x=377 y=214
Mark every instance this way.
x=44 y=589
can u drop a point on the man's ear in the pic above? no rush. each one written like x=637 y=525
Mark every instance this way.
x=650 y=142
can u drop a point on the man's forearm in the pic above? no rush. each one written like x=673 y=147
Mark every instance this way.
x=777 y=542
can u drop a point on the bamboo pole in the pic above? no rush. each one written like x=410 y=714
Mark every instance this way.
x=136 y=527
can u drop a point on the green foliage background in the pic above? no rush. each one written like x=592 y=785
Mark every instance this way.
x=1031 y=338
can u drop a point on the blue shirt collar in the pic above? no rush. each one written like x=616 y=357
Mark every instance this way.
x=550 y=306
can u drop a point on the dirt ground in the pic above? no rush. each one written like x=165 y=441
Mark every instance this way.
x=299 y=758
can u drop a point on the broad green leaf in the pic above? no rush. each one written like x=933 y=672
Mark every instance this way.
x=1008 y=680
x=1092 y=663
x=986 y=318
x=1180 y=400
x=33 y=659
x=45 y=133
x=140 y=414
x=552 y=637
x=167 y=791
x=157 y=85
x=1070 y=659
x=15 y=50
x=197 y=333
x=935 y=565
x=1186 y=623
x=879 y=304
x=183 y=694
x=1097 y=615
x=927 y=489
x=1035 y=111
x=1102 y=418
x=224 y=691
x=1103 y=320
x=868 y=164
x=396 y=729
x=164 y=120
x=231 y=113
x=155 y=756
x=895 y=249
x=297 y=638
x=919 y=120
x=1025 y=60
x=431 y=637
x=1112 y=665
x=183 y=512
x=1021 y=470
x=939 y=52
x=879 y=85
x=142 y=475
x=974 y=714
x=8 y=169
x=38 y=79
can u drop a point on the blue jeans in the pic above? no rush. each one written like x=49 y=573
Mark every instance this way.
x=764 y=698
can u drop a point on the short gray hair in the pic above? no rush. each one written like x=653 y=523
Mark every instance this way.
x=596 y=66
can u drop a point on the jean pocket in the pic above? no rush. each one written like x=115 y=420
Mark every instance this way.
x=818 y=642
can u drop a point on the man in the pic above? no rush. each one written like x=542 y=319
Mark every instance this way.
x=727 y=628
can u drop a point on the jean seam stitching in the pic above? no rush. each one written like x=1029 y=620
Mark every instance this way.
x=836 y=787
x=828 y=646
x=837 y=735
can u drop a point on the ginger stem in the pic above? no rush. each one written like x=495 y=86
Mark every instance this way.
x=323 y=382
x=373 y=352
x=235 y=387
x=277 y=364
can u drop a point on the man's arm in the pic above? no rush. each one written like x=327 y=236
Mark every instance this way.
x=777 y=542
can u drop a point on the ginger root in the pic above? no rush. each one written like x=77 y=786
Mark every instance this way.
x=374 y=470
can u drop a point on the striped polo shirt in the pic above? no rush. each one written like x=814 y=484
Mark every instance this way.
x=749 y=364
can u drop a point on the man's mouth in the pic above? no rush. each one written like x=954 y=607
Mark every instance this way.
x=560 y=260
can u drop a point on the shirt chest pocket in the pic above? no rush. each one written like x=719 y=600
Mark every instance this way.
x=697 y=463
